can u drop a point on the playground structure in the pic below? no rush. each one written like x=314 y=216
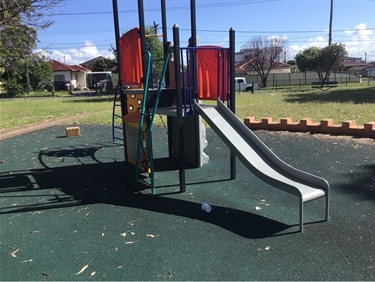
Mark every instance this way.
x=192 y=75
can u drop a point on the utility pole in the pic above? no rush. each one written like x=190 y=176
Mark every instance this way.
x=27 y=79
x=156 y=28
x=330 y=25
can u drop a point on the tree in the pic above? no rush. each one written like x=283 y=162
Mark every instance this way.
x=105 y=64
x=19 y=21
x=32 y=12
x=321 y=60
x=157 y=52
x=40 y=72
x=156 y=48
x=263 y=54
x=16 y=81
x=16 y=42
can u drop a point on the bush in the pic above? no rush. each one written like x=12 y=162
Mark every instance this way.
x=13 y=88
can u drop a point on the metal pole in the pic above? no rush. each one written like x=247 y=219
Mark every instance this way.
x=180 y=119
x=124 y=107
x=117 y=36
x=27 y=80
x=232 y=97
x=164 y=24
x=165 y=37
x=330 y=25
x=193 y=38
x=141 y=18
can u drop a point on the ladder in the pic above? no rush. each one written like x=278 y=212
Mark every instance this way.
x=146 y=147
x=117 y=127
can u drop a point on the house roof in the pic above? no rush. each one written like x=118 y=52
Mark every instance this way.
x=59 y=66
x=245 y=65
x=370 y=66
x=90 y=64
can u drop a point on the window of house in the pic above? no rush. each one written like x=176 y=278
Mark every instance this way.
x=59 y=77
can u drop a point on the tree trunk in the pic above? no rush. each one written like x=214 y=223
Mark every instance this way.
x=264 y=81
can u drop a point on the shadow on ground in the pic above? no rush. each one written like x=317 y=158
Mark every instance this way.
x=360 y=182
x=356 y=96
x=112 y=183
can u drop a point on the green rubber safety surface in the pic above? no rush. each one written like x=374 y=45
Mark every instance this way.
x=70 y=210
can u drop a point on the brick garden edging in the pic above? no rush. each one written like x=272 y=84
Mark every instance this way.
x=326 y=126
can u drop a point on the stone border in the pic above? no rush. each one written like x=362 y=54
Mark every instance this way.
x=326 y=126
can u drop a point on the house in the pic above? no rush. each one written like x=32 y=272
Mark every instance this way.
x=246 y=54
x=90 y=64
x=244 y=67
x=368 y=71
x=353 y=63
x=75 y=74
x=244 y=58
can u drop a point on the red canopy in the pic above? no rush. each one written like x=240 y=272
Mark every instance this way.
x=212 y=67
x=131 y=58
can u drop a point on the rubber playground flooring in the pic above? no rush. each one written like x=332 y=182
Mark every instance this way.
x=69 y=210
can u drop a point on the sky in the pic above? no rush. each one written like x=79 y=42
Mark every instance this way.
x=84 y=29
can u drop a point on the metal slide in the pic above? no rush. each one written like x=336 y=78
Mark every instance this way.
x=260 y=160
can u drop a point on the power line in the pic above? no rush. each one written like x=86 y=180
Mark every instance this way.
x=176 y=8
x=276 y=31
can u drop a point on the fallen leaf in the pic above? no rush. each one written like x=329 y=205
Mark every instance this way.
x=13 y=254
x=27 y=260
x=82 y=270
x=37 y=212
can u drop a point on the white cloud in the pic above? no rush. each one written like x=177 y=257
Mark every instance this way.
x=75 y=56
x=361 y=41
x=318 y=41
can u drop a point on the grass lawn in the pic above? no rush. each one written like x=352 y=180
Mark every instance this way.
x=353 y=102
x=342 y=103
x=18 y=112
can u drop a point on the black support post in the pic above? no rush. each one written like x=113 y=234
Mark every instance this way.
x=124 y=107
x=141 y=17
x=164 y=24
x=232 y=99
x=180 y=120
x=193 y=20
